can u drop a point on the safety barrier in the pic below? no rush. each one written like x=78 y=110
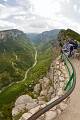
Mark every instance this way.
x=70 y=85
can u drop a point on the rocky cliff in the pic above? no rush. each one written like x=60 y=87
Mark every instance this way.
x=7 y=34
x=47 y=90
x=16 y=56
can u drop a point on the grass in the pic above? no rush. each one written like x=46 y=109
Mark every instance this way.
x=9 y=95
x=21 y=48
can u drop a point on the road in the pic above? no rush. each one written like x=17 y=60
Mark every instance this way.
x=26 y=73
x=35 y=62
x=73 y=110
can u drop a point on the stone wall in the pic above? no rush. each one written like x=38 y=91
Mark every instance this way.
x=49 y=88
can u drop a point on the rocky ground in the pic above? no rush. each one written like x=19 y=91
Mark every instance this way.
x=46 y=91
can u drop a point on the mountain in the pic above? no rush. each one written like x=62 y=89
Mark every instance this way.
x=64 y=35
x=44 y=36
x=16 y=56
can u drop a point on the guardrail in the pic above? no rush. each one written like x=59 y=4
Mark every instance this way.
x=70 y=85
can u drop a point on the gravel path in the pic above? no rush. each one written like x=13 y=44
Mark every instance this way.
x=73 y=110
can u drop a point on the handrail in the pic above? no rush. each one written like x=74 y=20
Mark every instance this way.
x=68 y=90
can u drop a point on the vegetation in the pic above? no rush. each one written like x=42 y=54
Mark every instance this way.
x=64 y=35
x=16 y=56
x=9 y=95
x=73 y=34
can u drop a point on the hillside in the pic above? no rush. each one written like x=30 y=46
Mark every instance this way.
x=64 y=35
x=16 y=56
x=44 y=59
x=44 y=36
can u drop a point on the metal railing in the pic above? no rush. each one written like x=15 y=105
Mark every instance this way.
x=70 y=85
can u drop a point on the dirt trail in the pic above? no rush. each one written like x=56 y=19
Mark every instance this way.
x=26 y=73
x=73 y=110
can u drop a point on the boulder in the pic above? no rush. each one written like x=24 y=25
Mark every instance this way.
x=31 y=105
x=60 y=92
x=43 y=92
x=41 y=102
x=41 y=98
x=46 y=83
x=37 y=88
x=50 y=115
x=57 y=62
x=61 y=79
x=24 y=99
x=18 y=109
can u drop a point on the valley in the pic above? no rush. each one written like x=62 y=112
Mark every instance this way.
x=16 y=56
x=41 y=60
x=28 y=58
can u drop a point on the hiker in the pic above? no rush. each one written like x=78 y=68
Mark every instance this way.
x=74 y=43
x=68 y=49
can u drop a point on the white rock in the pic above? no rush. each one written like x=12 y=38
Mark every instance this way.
x=63 y=68
x=41 y=98
x=48 y=96
x=60 y=92
x=34 y=110
x=56 y=78
x=51 y=76
x=25 y=116
x=31 y=105
x=50 y=115
x=46 y=83
x=53 y=95
x=37 y=88
x=51 y=90
x=24 y=99
x=57 y=63
x=61 y=79
x=43 y=93
x=61 y=84
x=18 y=109
x=44 y=105
x=41 y=102
x=57 y=66
x=59 y=72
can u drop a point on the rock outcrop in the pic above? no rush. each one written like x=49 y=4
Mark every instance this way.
x=6 y=34
x=49 y=88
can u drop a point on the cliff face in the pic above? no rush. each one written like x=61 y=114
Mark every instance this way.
x=48 y=89
x=4 y=35
x=16 y=56
x=44 y=36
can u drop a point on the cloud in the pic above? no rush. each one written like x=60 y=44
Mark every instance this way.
x=7 y=25
x=5 y=0
x=39 y=15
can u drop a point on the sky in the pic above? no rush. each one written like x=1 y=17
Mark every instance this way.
x=39 y=15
